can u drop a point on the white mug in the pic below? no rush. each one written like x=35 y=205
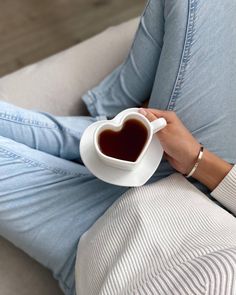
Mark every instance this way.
x=152 y=128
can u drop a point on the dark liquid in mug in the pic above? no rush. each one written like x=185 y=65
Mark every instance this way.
x=126 y=144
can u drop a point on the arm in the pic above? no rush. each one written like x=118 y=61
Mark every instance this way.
x=211 y=170
x=220 y=177
x=182 y=149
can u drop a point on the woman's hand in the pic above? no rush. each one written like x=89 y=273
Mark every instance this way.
x=181 y=148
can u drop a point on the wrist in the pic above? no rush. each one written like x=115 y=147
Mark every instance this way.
x=211 y=170
x=196 y=164
x=193 y=157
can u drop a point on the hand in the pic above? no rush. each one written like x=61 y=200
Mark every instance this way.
x=181 y=148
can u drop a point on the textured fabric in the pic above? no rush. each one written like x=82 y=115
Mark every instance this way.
x=55 y=135
x=225 y=192
x=162 y=238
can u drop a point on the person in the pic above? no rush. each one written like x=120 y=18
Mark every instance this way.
x=183 y=62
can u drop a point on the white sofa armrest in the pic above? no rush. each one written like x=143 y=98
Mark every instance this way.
x=56 y=84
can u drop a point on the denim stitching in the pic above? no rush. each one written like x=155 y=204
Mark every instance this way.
x=193 y=4
x=24 y=121
x=14 y=118
x=34 y=163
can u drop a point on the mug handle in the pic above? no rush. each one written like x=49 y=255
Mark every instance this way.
x=158 y=124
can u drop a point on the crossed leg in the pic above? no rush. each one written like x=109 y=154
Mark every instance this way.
x=47 y=202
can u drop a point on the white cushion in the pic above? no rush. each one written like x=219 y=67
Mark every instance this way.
x=56 y=85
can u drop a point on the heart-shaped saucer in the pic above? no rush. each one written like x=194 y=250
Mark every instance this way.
x=131 y=178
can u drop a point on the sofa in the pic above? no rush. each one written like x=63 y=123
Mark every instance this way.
x=56 y=85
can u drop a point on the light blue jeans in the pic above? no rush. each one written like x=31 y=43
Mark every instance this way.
x=184 y=59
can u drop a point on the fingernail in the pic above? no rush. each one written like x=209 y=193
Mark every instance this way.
x=143 y=112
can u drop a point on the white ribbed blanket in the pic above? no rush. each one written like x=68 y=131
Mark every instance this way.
x=163 y=238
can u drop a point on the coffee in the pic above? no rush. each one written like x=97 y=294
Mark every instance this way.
x=125 y=144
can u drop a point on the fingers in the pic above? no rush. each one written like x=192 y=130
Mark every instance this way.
x=150 y=116
x=151 y=113
x=168 y=115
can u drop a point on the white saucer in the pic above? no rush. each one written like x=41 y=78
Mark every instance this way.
x=137 y=177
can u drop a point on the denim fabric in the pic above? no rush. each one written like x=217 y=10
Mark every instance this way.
x=47 y=199
x=183 y=58
x=131 y=83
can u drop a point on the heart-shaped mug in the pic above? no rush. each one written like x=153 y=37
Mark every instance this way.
x=116 y=126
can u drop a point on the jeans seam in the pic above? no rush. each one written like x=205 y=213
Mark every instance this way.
x=33 y=163
x=189 y=35
x=24 y=121
x=34 y=123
